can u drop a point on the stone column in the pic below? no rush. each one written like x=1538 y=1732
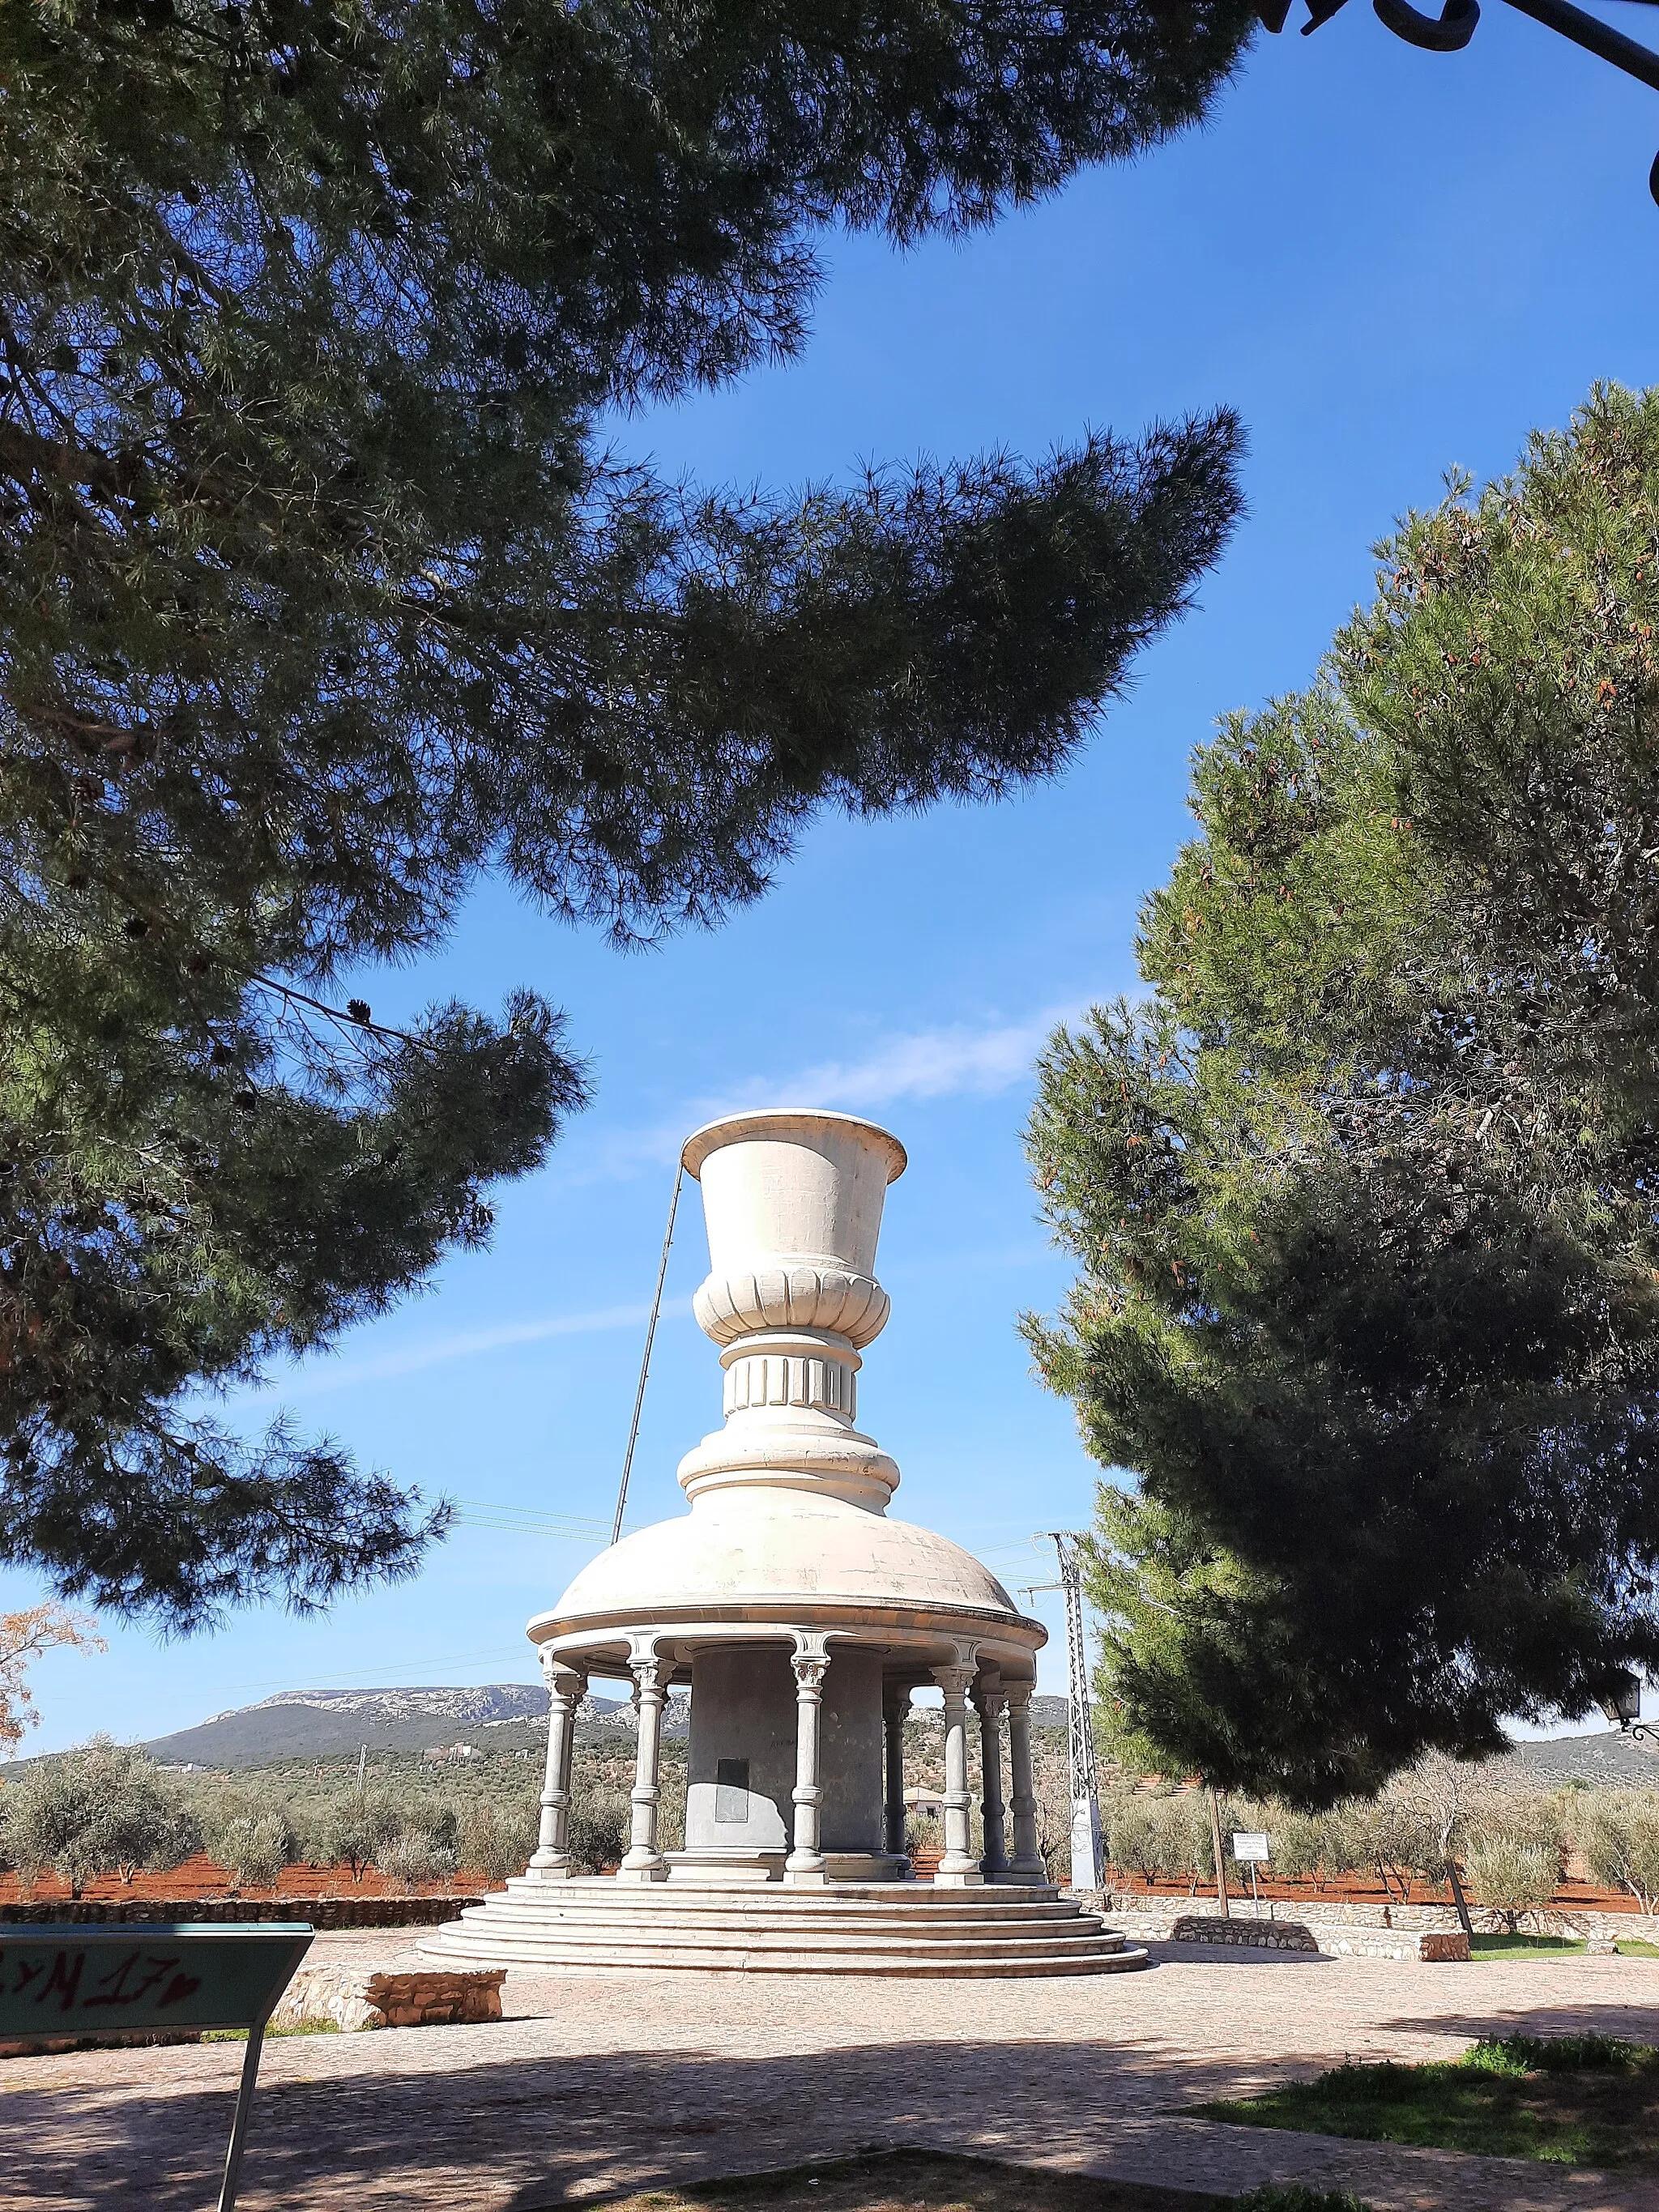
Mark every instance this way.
x=1026 y=1864
x=565 y=1685
x=803 y=1867
x=989 y=1699
x=895 y=1704
x=958 y=1868
x=644 y=1862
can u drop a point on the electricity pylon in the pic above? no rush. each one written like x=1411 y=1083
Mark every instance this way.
x=1087 y=1871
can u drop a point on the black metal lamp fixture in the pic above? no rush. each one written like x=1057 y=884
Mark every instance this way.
x=1454 y=27
x=1625 y=1706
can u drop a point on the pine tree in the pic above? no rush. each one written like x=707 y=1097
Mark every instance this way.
x=323 y=591
x=1363 y=1192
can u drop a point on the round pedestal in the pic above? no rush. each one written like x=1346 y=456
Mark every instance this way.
x=845 y=1928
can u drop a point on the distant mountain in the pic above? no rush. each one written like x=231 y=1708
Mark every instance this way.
x=333 y=1723
x=498 y=1717
x=1605 y=1760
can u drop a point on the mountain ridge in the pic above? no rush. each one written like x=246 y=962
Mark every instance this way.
x=337 y=1723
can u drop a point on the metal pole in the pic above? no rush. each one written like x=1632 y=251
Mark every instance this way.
x=256 y=2037
x=645 y=1364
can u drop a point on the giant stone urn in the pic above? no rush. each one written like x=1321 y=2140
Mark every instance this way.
x=800 y=1612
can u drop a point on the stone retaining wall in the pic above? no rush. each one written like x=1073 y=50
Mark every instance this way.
x=1157 y=1917
x=359 y=1996
x=1252 y=1935
x=1353 y=1940
x=320 y=1911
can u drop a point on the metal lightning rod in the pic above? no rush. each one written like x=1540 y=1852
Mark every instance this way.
x=645 y=1364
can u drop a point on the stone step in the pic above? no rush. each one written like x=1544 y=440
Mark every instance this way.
x=522 y=1936
x=500 y=1944
x=771 y=1898
x=846 y=1929
x=839 y=1939
x=661 y=1916
x=902 y=1959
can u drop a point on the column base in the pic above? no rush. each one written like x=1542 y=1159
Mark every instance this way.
x=1025 y=1870
x=724 y=1867
x=657 y=1872
x=965 y=1878
x=559 y=1869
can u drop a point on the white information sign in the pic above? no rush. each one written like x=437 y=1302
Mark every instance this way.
x=1251 y=1850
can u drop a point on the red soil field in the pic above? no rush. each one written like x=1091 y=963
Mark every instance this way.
x=201 y=1877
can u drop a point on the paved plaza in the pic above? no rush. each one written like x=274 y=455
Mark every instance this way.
x=605 y=2082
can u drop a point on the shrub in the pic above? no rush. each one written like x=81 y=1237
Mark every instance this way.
x=1305 y=1845
x=102 y=1809
x=599 y=1824
x=1553 y=2054
x=1619 y=1834
x=1513 y=1873
x=252 y=1851
x=355 y=1831
x=1143 y=1839
x=497 y=1840
x=244 y=1828
x=417 y=1854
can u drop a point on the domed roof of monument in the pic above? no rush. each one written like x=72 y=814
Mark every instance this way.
x=786 y=1550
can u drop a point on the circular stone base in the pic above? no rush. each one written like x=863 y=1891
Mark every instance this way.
x=845 y=1928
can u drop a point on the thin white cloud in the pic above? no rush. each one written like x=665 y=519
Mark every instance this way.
x=414 y=1359
x=960 y=1062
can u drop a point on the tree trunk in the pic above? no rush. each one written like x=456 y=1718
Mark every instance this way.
x=1458 y=1897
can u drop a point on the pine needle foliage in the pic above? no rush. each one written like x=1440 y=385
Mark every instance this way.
x=322 y=592
x=1364 y=1194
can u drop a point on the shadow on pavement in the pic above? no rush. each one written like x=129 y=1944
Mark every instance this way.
x=447 y=2127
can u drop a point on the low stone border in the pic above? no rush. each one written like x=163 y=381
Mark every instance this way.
x=1444 y=1946
x=360 y=1997
x=1147 y=1911
x=1253 y=1934
x=320 y=1911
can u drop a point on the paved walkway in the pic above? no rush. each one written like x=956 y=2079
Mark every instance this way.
x=605 y=2082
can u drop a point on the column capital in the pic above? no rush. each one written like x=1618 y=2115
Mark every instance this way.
x=564 y=1678
x=810 y=1662
x=1017 y=1696
x=650 y=1667
x=955 y=1682
x=988 y=1694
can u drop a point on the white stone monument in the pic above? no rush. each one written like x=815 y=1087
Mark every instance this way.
x=802 y=1615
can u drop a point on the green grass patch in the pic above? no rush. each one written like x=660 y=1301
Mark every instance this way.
x=930 y=2181
x=1570 y=2100
x=240 y=2034
x=1526 y=1947
x=1633 y=1946
x=1297 y=2199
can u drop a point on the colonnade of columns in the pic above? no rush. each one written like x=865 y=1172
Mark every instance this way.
x=961 y=1681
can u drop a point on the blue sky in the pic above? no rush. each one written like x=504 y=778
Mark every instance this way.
x=1391 y=263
